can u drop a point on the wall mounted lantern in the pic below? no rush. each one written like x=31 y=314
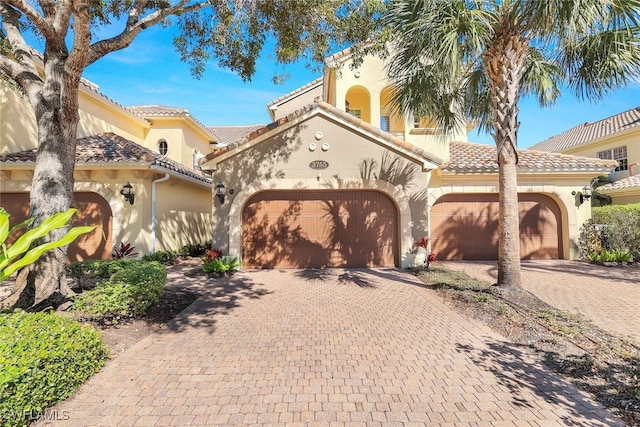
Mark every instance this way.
x=221 y=192
x=584 y=195
x=126 y=192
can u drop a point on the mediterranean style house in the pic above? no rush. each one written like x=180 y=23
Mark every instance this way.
x=617 y=138
x=149 y=152
x=339 y=179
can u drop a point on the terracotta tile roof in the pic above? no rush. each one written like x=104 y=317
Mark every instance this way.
x=112 y=148
x=590 y=131
x=480 y=158
x=329 y=60
x=623 y=184
x=301 y=89
x=377 y=132
x=228 y=134
x=158 y=110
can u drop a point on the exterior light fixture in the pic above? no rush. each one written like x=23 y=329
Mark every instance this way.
x=126 y=192
x=221 y=192
x=583 y=195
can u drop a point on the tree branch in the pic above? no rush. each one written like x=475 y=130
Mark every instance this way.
x=81 y=38
x=32 y=15
x=21 y=68
x=135 y=26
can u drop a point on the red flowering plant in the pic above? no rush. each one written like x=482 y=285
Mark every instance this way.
x=424 y=243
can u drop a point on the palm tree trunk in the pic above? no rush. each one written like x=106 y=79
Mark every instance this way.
x=505 y=60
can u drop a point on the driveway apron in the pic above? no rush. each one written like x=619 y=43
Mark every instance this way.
x=336 y=346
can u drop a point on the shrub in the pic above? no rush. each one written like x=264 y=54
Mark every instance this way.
x=621 y=231
x=221 y=265
x=589 y=240
x=44 y=358
x=128 y=292
x=195 y=250
x=163 y=257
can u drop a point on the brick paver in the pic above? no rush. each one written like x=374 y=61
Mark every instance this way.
x=325 y=347
x=607 y=296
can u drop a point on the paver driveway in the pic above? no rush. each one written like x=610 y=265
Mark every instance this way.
x=335 y=346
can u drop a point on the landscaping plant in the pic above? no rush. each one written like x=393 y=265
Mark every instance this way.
x=164 y=257
x=222 y=265
x=128 y=292
x=44 y=358
x=20 y=253
x=121 y=250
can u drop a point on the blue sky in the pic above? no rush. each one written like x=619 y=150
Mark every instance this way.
x=150 y=72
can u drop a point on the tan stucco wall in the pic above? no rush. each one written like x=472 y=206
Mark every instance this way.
x=629 y=138
x=18 y=129
x=295 y=102
x=183 y=214
x=623 y=200
x=282 y=162
x=181 y=140
x=98 y=117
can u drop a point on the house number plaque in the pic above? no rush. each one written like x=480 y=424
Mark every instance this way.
x=318 y=164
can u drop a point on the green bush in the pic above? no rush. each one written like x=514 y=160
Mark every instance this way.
x=100 y=268
x=162 y=257
x=194 y=250
x=128 y=292
x=44 y=358
x=622 y=227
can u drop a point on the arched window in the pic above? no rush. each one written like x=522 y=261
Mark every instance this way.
x=163 y=147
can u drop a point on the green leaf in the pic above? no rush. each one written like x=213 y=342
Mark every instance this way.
x=32 y=255
x=24 y=242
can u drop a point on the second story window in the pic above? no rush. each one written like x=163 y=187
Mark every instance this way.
x=163 y=147
x=618 y=154
x=385 y=123
x=356 y=113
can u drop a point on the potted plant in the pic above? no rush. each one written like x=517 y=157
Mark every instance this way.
x=421 y=258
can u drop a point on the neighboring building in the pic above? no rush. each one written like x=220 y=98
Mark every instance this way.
x=338 y=179
x=617 y=138
x=153 y=148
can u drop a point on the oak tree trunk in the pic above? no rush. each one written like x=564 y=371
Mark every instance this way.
x=505 y=60
x=56 y=111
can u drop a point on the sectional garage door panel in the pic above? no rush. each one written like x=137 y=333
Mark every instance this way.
x=465 y=226
x=93 y=209
x=285 y=229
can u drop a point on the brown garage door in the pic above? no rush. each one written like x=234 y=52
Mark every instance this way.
x=465 y=226
x=93 y=210
x=285 y=229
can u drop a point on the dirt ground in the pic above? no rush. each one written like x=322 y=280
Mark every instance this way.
x=126 y=332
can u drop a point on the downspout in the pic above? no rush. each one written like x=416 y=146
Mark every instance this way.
x=153 y=210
